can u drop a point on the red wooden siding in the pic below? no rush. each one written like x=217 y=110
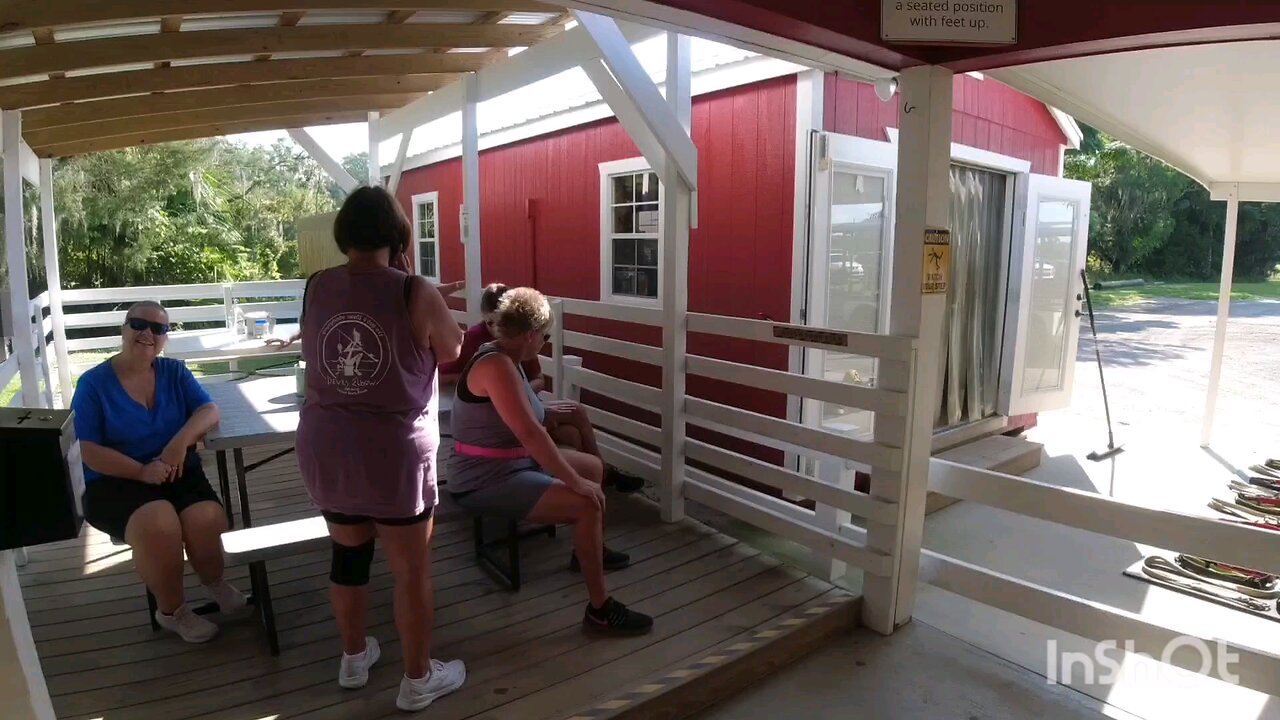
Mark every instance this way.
x=540 y=223
x=988 y=115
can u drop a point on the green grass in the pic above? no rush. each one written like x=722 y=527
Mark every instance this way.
x=1123 y=297
x=82 y=361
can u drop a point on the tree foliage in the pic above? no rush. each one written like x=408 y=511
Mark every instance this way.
x=178 y=213
x=1150 y=220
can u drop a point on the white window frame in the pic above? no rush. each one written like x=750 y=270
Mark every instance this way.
x=607 y=171
x=416 y=201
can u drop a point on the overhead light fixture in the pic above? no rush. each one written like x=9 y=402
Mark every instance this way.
x=886 y=88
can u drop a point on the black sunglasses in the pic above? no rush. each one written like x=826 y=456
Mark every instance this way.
x=139 y=324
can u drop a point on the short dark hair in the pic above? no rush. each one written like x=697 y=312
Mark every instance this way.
x=490 y=297
x=369 y=220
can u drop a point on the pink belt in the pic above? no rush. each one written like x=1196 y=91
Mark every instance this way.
x=515 y=453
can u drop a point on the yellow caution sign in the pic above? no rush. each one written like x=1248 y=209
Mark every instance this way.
x=937 y=261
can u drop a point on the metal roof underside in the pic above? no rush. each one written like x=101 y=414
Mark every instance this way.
x=1210 y=111
x=91 y=75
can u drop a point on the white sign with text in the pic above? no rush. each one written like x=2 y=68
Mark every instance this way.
x=979 y=22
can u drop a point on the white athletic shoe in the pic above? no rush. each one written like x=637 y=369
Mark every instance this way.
x=445 y=677
x=188 y=625
x=354 y=672
x=229 y=599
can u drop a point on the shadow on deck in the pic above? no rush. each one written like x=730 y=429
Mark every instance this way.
x=726 y=615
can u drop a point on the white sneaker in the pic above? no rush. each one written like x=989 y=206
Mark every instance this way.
x=188 y=625
x=444 y=679
x=354 y=672
x=229 y=599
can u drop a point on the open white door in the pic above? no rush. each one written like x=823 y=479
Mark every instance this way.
x=1045 y=294
x=849 y=263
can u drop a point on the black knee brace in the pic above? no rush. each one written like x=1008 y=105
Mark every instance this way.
x=350 y=566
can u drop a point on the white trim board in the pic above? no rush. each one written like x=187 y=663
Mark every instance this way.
x=746 y=72
x=969 y=155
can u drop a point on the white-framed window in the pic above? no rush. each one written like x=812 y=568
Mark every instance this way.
x=426 y=234
x=630 y=232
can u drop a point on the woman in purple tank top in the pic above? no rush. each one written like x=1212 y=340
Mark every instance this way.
x=371 y=337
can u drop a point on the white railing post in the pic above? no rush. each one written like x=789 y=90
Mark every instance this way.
x=38 y=342
x=228 y=305
x=49 y=223
x=470 y=214
x=557 y=349
x=16 y=257
x=924 y=202
x=1224 y=314
x=573 y=391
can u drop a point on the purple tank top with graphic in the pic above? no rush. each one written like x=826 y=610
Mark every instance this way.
x=368 y=432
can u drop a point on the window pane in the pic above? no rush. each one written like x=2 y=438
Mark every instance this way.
x=624 y=251
x=624 y=219
x=430 y=232
x=624 y=281
x=647 y=252
x=647 y=218
x=624 y=189
x=647 y=187
x=647 y=282
x=427 y=258
x=1051 y=301
x=429 y=211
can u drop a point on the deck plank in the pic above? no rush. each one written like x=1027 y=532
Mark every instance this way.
x=526 y=652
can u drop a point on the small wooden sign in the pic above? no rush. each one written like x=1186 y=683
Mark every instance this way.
x=813 y=337
x=949 y=22
x=937 y=261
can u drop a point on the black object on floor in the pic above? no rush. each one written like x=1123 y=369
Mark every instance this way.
x=622 y=481
x=1112 y=449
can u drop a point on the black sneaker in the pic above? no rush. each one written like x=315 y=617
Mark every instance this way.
x=623 y=482
x=613 y=618
x=613 y=560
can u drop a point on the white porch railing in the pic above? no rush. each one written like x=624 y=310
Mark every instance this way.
x=628 y=442
x=1220 y=540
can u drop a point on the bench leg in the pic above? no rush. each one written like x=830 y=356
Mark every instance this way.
x=513 y=554
x=224 y=485
x=151 y=609
x=262 y=598
x=508 y=576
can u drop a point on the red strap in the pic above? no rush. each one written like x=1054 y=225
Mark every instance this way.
x=515 y=453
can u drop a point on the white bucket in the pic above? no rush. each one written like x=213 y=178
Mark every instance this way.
x=300 y=379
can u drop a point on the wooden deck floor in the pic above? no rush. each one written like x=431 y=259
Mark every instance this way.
x=724 y=615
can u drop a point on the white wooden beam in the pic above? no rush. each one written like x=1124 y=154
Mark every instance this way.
x=616 y=52
x=398 y=169
x=49 y=223
x=625 y=111
x=471 y=195
x=16 y=257
x=562 y=52
x=330 y=165
x=28 y=160
x=679 y=92
x=1224 y=315
x=677 y=204
x=923 y=201
x=375 y=165
x=1245 y=192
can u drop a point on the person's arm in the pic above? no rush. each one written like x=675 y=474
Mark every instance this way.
x=433 y=324
x=202 y=416
x=90 y=421
x=499 y=380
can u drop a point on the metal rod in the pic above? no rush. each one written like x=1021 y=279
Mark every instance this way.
x=1106 y=405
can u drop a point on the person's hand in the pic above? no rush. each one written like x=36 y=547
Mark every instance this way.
x=175 y=456
x=156 y=472
x=400 y=261
x=559 y=411
x=585 y=487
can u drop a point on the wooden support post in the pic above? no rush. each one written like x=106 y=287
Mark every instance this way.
x=1224 y=313
x=471 y=196
x=923 y=201
x=398 y=169
x=16 y=257
x=375 y=163
x=49 y=223
x=331 y=166
x=677 y=201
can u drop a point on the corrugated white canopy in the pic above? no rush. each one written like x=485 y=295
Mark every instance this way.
x=1211 y=111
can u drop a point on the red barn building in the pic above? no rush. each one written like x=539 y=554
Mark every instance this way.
x=794 y=214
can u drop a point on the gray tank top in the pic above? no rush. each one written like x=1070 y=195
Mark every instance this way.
x=475 y=421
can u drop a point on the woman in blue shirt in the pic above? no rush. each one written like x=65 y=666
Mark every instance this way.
x=138 y=417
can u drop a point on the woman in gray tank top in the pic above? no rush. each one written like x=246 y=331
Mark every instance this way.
x=505 y=464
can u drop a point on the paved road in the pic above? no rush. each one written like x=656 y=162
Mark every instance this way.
x=1157 y=358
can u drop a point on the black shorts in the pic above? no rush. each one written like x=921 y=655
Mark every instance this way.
x=338 y=518
x=109 y=502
